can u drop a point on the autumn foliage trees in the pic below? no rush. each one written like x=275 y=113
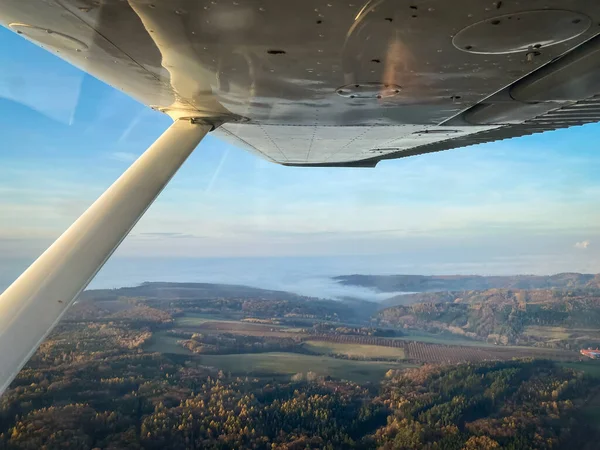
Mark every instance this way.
x=136 y=400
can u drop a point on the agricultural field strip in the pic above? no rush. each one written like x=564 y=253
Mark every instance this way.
x=288 y=364
x=234 y=327
x=371 y=352
x=414 y=350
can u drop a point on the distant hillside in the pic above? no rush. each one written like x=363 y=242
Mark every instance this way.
x=420 y=297
x=436 y=283
x=505 y=296
x=236 y=300
x=568 y=318
x=491 y=296
x=165 y=291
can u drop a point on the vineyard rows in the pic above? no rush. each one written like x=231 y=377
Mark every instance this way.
x=442 y=354
x=355 y=339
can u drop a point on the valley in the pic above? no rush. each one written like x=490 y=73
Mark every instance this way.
x=436 y=327
x=171 y=364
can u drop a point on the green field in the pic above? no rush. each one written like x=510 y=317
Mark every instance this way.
x=290 y=329
x=591 y=367
x=547 y=332
x=260 y=364
x=161 y=342
x=354 y=350
x=190 y=320
x=194 y=320
x=442 y=338
x=561 y=333
x=279 y=363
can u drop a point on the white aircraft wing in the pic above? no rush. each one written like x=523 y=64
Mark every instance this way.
x=326 y=83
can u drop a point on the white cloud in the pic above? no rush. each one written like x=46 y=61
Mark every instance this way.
x=123 y=156
x=582 y=245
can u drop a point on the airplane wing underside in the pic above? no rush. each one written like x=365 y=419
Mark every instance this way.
x=331 y=83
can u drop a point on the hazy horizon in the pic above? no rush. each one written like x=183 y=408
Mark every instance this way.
x=311 y=276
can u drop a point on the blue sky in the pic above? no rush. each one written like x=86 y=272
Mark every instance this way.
x=531 y=202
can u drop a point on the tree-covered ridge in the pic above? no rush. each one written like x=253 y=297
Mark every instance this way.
x=167 y=291
x=510 y=405
x=433 y=283
x=85 y=389
x=522 y=297
x=501 y=315
x=203 y=298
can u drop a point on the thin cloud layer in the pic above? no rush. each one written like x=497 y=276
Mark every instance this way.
x=123 y=156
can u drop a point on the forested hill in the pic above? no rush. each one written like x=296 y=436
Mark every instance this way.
x=519 y=297
x=432 y=283
x=568 y=318
x=236 y=301
x=499 y=296
x=166 y=290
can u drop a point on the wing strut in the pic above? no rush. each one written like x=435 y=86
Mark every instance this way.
x=35 y=302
